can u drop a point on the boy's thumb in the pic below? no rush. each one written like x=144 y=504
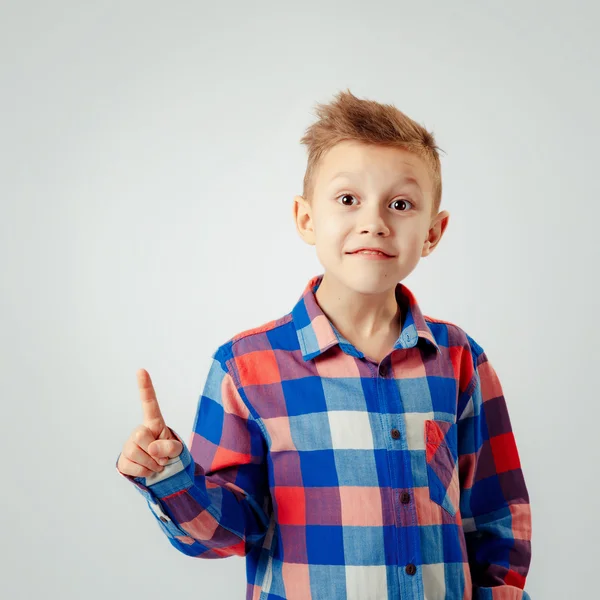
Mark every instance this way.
x=165 y=448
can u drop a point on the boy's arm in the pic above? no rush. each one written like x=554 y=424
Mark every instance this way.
x=213 y=500
x=494 y=501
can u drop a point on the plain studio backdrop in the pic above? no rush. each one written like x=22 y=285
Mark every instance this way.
x=149 y=154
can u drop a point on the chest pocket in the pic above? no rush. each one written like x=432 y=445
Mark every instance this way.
x=442 y=464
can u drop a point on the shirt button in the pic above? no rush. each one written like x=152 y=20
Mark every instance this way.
x=411 y=569
x=395 y=434
x=163 y=519
x=405 y=498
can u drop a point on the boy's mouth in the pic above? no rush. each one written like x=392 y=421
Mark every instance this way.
x=371 y=251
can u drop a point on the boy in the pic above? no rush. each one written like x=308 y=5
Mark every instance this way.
x=353 y=448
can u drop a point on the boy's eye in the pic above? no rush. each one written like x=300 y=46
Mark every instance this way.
x=351 y=196
x=346 y=196
x=402 y=200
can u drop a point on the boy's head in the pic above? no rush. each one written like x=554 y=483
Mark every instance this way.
x=374 y=203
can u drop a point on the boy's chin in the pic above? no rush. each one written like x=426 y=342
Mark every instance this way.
x=364 y=280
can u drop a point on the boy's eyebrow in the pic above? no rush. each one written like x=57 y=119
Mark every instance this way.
x=406 y=179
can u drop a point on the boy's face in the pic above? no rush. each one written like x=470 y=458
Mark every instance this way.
x=371 y=205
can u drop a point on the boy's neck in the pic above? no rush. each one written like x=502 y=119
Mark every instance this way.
x=357 y=315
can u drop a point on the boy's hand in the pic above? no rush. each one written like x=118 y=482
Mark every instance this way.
x=151 y=444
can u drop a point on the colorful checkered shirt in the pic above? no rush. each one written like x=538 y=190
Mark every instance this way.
x=341 y=478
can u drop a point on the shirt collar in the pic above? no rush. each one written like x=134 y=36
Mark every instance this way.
x=316 y=333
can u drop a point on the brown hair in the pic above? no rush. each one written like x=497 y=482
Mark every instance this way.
x=370 y=122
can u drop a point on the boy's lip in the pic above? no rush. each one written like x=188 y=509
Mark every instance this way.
x=372 y=249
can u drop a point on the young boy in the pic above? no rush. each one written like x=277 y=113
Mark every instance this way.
x=353 y=448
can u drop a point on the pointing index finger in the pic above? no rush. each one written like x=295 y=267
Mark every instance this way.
x=153 y=418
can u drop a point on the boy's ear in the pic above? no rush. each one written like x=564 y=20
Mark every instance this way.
x=436 y=231
x=303 y=218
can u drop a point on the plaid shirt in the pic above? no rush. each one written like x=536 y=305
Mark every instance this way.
x=337 y=477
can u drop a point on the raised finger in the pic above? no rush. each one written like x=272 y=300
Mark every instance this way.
x=152 y=416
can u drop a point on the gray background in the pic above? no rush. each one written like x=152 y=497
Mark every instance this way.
x=149 y=154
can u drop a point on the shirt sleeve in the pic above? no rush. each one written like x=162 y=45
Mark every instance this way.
x=494 y=502
x=213 y=500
